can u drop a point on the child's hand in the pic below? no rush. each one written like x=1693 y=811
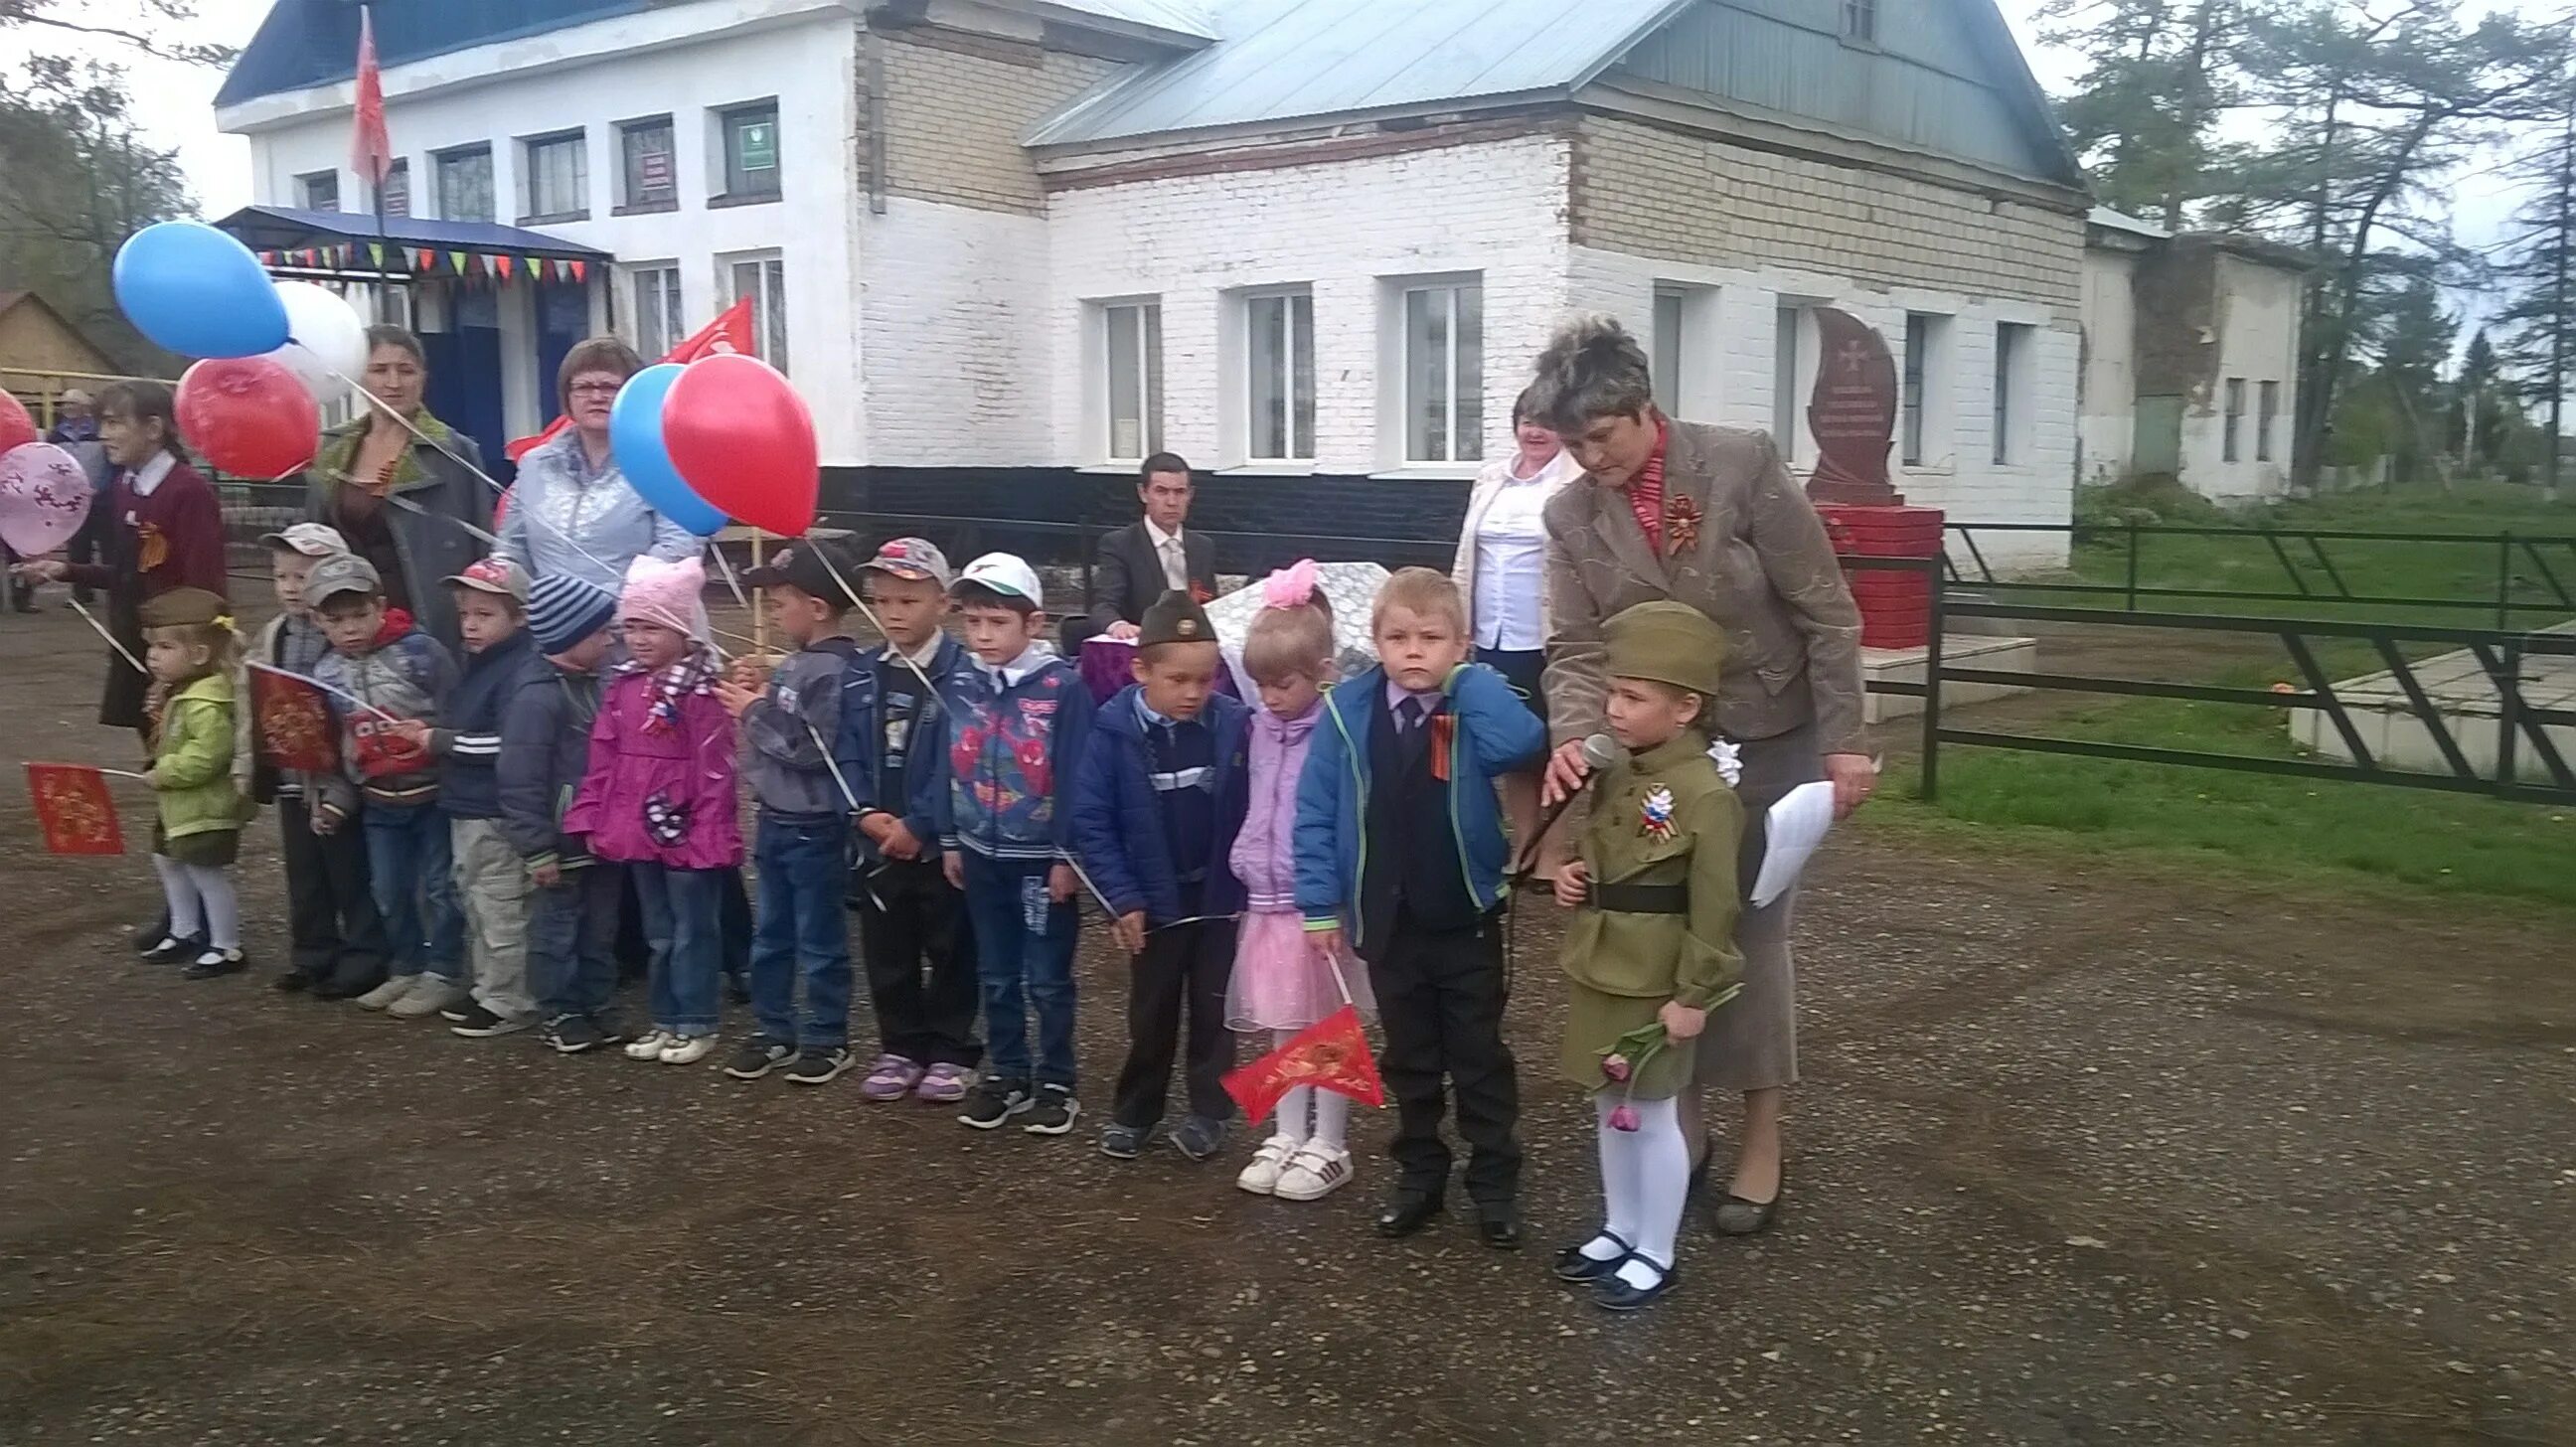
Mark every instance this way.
x=547 y=875
x=735 y=697
x=411 y=731
x=151 y=777
x=953 y=864
x=325 y=821
x=1681 y=1022
x=1061 y=884
x=1573 y=884
x=1326 y=945
x=897 y=841
x=1128 y=932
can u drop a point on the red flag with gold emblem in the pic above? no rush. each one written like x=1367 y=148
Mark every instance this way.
x=294 y=721
x=74 y=809
x=1331 y=1054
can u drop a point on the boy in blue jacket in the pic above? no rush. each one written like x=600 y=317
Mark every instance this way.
x=1018 y=722
x=1400 y=846
x=912 y=921
x=545 y=750
x=1161 y=795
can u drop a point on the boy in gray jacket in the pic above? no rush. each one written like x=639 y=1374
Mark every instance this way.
x=803 y=844
x=545 y=746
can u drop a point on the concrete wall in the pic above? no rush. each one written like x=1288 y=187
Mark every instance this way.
x=2106 y=426
x=2207 y=314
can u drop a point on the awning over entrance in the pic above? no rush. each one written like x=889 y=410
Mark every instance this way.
x=351 y=246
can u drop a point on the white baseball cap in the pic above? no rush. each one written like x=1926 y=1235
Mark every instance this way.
x=1004 y=573
x=313 y=540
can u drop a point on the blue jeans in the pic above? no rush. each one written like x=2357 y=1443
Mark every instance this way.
x=572 y=940
x=802 y=925
x=1023 y=952
x=681 y=911
x=411 y=873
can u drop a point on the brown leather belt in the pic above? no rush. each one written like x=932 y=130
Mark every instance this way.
x=1641 y=898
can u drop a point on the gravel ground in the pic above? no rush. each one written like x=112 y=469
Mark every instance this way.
x=2086 y=1154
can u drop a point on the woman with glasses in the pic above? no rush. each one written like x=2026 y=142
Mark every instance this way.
x=571 y=511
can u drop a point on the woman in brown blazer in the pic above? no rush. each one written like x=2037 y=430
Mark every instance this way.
x=1706 y=516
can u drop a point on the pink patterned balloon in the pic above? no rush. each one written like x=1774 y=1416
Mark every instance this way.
x=44 y=496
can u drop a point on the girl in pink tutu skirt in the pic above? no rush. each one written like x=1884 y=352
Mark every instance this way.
x=1279 y=985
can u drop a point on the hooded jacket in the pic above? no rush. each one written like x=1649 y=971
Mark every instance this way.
x=658 y=792
x=192 y=759
x=1265 y=851
x=916 y=792
x=1012 y=750
x=791 y=730
x=545 y=749
x=402 y=677
x=1118 y=813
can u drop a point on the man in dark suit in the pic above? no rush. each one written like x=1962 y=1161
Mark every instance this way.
x=1148 y=558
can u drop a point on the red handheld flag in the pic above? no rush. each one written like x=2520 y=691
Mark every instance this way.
x=371 y=151
x=1331 y=1054
x=74 y=809
x=294 y=720
x=729 y=332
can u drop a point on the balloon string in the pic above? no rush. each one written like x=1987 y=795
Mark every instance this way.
x=860 y=601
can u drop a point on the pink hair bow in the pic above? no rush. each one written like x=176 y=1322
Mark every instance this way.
x=1291 y=587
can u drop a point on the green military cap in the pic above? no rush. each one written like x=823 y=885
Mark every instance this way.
x=181 y=608
x=1175 y=617
x=1667 y=642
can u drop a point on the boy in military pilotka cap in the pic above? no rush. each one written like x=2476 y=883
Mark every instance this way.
x=1161 y=794
x=1652 y=941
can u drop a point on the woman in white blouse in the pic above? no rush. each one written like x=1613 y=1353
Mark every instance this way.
x=1502 y=573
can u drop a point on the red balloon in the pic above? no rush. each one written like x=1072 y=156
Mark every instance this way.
x=16 y=427
x=249 y=416
x=743 y=440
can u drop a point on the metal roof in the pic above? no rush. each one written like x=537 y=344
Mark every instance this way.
x=288 y=228
x=2110 y=220
x=1180 y=17
x=1278 y=60
x=305 y=43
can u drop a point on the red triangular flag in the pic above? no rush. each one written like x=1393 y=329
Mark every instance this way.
x=502 y=263
x=74 y=809
x=295 y=729
x=581 y=271
x=1331 y=1054
x=371 y=151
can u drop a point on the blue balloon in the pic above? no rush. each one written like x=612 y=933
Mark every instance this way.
x=198 y=292
x=635 y=436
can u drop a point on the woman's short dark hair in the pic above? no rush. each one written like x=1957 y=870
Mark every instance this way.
x=596 y=354
x=401 y=339
x=1591 y=368
x=1525 y=406
x=143 y=400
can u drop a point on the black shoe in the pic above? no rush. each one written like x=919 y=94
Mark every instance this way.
x=1573 y=1265
x=571 y=1034
x=151 y=935
x=477 y=1023
x=346 y=987
x=1500 y=1229
x=819 y=1066
x=993 y=1101
x=214 y=963
x=1052 y=1112
x=293 y=982
x=758 y=1056
x=1612 y=1294
x=1408 y=1213
x=738 y=989
x=170 y=950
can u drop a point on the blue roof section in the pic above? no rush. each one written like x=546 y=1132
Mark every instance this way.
x=1179 y=17
x=287 y=228
x=1278 y=60
x=306 y=43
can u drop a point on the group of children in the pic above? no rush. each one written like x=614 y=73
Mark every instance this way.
x=1260 y=868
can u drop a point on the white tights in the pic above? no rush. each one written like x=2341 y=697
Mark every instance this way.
x=1306 y=1113
x=200 y=895
x=1645 y=1175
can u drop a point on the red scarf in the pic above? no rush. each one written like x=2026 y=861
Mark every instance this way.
x=1646 y=491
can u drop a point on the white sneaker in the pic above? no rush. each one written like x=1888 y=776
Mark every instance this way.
x=687 y=1049
x=429 y=995
x=648 y=1046
x=1316 y=1171
x=384 y=995
x=1262 y=1176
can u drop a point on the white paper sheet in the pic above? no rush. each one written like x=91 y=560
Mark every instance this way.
x=1797 y=824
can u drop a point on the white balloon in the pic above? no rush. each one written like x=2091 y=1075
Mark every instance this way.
x=324 y=336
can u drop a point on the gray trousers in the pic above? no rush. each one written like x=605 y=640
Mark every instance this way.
x=492 y=884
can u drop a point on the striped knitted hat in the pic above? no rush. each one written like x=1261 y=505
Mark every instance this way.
x=563 y=610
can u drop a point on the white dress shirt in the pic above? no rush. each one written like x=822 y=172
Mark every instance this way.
x=1176 y=558
x=1511 y=563
x=147 y=477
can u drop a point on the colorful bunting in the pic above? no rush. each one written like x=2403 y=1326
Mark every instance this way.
x=502 y=264
x=581 y=271
x=457 y=259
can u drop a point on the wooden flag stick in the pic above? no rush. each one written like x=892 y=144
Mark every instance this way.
x=101 y=629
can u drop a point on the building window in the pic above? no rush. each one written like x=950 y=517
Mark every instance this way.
x=2268 y=413
x=2012 y=364
x=1860 y=20
x=650 y=172
x=1444 y=372
x=555 y=177
x=1667 y=361
x=465 y=184
x=764 y=280
x=319 y=191
x=2233 y=422
x=1131 y=365
x=1279 y=340
x=658 y=324
x=395 y=194
x=1927 y=385
x=749 y=136
x=1787 y=366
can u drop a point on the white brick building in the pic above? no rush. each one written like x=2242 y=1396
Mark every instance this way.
x=1310 y=244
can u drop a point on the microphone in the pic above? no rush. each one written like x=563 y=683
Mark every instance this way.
x=1600 y=751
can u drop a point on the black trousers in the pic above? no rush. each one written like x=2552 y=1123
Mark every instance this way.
x=331 y=920
x=921 y=966
x=1183 y=967
x=1440 y=996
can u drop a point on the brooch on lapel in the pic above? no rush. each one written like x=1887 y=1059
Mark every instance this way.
x=1655 y=816
x=1681 y=524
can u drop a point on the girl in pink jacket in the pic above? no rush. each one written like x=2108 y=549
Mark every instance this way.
x=658 y=797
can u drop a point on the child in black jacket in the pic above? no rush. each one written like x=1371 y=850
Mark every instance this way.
x=545 y=747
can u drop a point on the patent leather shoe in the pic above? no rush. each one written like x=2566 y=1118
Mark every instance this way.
x=1573 y=1265
x=1611 y=1293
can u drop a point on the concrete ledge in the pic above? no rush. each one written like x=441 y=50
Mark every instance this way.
x=1905 y=665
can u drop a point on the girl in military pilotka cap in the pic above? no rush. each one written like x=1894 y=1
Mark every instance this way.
x=1651 y=947
x=189 y=648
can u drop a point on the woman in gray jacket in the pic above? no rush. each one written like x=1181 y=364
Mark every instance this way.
x=571 y=511
x=410 y=499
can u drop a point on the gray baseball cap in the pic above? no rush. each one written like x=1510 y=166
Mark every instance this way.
x=341 y=573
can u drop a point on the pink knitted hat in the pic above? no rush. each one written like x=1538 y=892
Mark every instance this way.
x=664 y=593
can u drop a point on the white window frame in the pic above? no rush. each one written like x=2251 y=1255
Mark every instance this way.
x=629 y=199
x=1793 y=375
x=1924 y=438
x=1103 y=317
x=305 y=183
x=769 y=336
x=1465 y=444
x=1296 y=334
x=659 y=318
x=2231 y=422
x=531 y=150
x=2015 y=345
x=1670 y=366
x=2267 y=415
x=439 y=162
x=726 y=119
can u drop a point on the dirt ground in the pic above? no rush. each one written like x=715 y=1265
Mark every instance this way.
x=2085 y=1154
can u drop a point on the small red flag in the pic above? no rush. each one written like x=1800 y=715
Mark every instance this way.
x=371 y=151
x=729 y=332
x=1331 y=1054
x=74 y=809
x=295 y=729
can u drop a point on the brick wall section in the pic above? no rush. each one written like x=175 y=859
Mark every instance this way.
x=956 y=105
x=1677 y=197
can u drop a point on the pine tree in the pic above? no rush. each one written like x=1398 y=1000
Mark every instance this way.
x=2538 y=268
x=2158 y=74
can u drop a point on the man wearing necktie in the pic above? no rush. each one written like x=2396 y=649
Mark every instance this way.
x=1156 y=554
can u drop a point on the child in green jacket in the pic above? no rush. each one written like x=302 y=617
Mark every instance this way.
x=189 y=647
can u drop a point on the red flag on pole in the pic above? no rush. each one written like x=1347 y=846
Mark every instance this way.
x=1331 y=1054
x=371 y=151
x=729 y=332
x=73 y=808
x=295 y=729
